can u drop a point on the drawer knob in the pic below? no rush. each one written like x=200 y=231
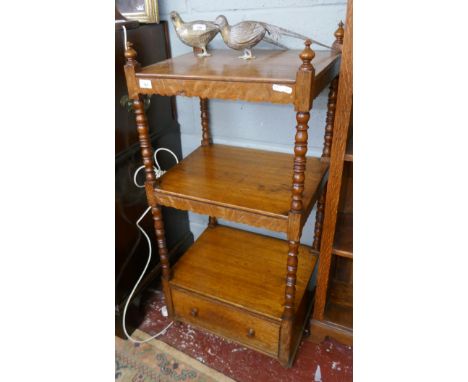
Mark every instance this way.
x=250 y=333
x=194 y=312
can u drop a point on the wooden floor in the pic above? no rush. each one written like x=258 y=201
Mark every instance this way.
x=234 y=178
x=243 y=269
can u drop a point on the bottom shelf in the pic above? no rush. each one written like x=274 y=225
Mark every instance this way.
x=232 y=283
x=243 y=269
x=339 y=314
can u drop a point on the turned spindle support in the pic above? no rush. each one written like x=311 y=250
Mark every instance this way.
x=206 y=137
x=212 y=222
x=319 y=221
x=131 y=67
x=331 y=109
x=206 y=140
x=327 y=142
x=305 y=79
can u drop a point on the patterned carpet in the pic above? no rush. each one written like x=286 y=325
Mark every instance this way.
x=156 y=361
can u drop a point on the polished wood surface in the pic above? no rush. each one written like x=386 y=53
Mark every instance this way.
x=237 y=324
x=271 y=66
x=274 y=76
x=340 y=135
x=250 y=273
x=239 y=184
x=343 y=244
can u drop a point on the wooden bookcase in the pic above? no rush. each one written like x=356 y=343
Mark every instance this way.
x=247 y=287
x=333 y=307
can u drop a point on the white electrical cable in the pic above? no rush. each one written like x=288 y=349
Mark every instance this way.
x=158 y=173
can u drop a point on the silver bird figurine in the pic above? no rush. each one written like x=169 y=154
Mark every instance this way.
x=246 y=34
x=196 y=34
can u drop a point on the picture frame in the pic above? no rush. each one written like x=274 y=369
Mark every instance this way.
x=144 y=11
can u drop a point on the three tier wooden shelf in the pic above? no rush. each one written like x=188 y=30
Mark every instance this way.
x=247 y=287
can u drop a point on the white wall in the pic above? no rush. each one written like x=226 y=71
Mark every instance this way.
x=258 y=125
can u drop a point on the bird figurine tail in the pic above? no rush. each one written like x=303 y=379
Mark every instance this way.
x=276 y=32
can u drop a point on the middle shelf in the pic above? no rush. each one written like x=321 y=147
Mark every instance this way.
x=244 y=185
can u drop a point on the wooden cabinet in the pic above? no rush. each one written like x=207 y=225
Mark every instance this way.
x=244 y=286
x=131 y=250
x=333 y=308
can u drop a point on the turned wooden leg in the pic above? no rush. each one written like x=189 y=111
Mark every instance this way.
x=163 y=256
x=331 y=109
x=206 y=140
x=212 y=222
x=327 y=143
x=145 y=141
x=300 y=151
x=290 y=291
x=294 y=234
x=147 y=154
x=319 y=221
x=206 y=137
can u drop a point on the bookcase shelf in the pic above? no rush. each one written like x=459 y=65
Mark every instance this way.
x=343 y=244
x=333 y=306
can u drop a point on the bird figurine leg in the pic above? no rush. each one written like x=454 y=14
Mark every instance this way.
x=247 y=55
x=205 y=53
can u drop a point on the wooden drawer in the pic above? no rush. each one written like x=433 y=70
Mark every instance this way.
x=226 y=321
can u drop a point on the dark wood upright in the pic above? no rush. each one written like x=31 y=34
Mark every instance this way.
x=247 y=287
x=160 y=130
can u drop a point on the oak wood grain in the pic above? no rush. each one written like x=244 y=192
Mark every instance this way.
x=340 y=293
x=250 y=274
x=270 y=66
x=343 y=242
x=342 y=122
x=231 y=322
x=238 y=184
x=224 y=76
x=245 y=286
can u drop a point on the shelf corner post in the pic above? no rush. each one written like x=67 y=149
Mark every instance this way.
x=319 y=221
x=206 y=136
x=206 y=140
x=331 y=110
x=327 y=144
x=131 y=66
x=303 y=104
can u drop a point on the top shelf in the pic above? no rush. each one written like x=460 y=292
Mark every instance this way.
x=270 y=77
